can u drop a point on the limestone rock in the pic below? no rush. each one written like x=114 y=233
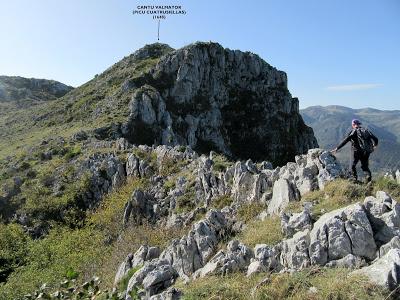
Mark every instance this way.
x=192 y=96
x=170 y=294
x=294 y=254
x=341 y=232
x=266 y=259
x=292 y=223
x=384 y=215
x=159 y=279
x=192 y=251
x=235 y=258
x=143 y=254
x=283 y=193
x=349 y=261
x=385 y=271
x=394 y=243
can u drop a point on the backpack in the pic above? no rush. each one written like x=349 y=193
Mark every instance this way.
x=365 y=140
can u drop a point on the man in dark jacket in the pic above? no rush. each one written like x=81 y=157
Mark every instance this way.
x=363 y=143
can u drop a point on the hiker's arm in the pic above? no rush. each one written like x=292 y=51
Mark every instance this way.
x=345 y=141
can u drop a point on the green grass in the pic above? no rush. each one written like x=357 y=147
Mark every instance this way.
x=336 y=194
x=262 y=232
x=329 y=284
x=340 y=193
x=221 y=201
x=220 y=163
x=249 y=211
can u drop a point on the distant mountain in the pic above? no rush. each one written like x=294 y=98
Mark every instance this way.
x=15 y=88
x=331 y=123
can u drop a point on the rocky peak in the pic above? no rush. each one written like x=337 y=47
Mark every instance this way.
x=152 y=51
x=212 y=98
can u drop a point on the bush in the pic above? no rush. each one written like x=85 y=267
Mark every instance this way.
x=72 y=152
x=13 y=249
x=63 y=252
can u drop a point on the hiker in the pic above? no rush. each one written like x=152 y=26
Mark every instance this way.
x=363 y=143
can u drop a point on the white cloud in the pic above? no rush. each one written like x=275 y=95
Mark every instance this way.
x=354 y=87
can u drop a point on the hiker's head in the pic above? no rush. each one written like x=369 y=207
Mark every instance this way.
x=355 y=123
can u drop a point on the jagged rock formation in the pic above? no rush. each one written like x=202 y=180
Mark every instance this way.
x=13 y=88
x=212 y=98
x=341 y=238
x=351 y=237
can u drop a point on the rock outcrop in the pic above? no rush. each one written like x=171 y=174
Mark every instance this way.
x=212 y=98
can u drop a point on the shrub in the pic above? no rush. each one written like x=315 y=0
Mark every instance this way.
x=186 y=202
x=72 y=152
x=13 y=249
x=53 y=257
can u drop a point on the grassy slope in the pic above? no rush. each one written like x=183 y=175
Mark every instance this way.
x=100 y=102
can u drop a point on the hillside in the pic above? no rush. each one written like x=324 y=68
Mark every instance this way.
x=20 y=89
x=331 y=123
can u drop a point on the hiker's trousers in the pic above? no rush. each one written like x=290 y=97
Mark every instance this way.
x=363 y=158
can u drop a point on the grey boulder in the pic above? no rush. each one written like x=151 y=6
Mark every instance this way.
x=385 y=271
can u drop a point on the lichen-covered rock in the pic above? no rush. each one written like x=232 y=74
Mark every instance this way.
x=385 y=271
x=212 y=98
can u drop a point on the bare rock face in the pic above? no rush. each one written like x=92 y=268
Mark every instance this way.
x=212 y=98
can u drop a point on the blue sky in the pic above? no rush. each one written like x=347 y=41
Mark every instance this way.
x=343 y=52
